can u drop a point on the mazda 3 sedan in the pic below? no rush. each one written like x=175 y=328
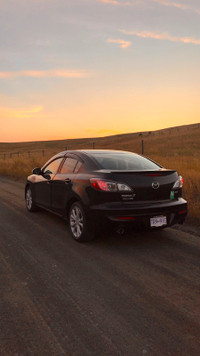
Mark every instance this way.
x=92 y=187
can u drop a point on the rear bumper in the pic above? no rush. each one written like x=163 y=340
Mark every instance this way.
x=140 y=213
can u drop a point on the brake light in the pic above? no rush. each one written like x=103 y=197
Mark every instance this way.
x=178 y=183
x=109 y=186
x=125 y=218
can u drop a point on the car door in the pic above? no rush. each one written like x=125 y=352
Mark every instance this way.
x=43 y=186
x=63 y=184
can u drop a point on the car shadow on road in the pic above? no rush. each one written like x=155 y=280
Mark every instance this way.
x=107 y=237
x=135 y=237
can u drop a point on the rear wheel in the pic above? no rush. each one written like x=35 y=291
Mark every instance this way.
x=80 y=226
x=30 y=204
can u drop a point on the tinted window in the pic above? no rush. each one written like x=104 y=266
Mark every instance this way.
x=68 y=166
x=53 y=166
x=124 y=161
x=78 y=166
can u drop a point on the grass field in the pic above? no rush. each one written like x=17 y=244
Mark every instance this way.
x=177 y=148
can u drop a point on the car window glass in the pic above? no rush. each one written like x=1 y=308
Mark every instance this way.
x=124 y=161
x=68 y=166
x=52 y=168
x=78 y=166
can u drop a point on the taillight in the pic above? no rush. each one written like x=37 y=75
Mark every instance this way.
x=108 y=186
x=178 y=183
x=182 y=212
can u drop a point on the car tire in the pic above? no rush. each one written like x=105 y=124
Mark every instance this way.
x=80 y=226
x=30 y=204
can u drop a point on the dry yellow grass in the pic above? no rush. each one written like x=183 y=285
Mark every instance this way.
x=20 y=167
x=189 y=168
x=175 y=148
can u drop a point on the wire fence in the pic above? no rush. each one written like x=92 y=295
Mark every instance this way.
x=45 y=152
x=5 y=155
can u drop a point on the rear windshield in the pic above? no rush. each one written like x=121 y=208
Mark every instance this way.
x=124 y=162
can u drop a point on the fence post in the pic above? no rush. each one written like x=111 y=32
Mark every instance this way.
x=142 y=147
x=93 y=145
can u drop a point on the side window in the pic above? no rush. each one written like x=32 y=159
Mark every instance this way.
x=78 y=166
x=52 y=167
x=69 y=165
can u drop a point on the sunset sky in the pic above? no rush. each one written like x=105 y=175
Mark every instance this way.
x=87 y=68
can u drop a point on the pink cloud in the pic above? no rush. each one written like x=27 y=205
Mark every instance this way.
x=115 y=2
x=44 y=74
x=173 y=4
x=122 y=44
x=162 y=36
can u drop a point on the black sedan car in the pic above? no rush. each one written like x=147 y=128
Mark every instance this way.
x=92 y=187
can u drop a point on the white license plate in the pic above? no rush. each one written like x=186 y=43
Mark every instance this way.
x=157 y=221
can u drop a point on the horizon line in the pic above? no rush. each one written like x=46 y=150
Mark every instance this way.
x=101 y=137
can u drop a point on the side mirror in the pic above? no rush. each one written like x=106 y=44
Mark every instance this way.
x=37 y=171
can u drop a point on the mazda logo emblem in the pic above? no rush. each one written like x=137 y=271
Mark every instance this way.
x=155 y=185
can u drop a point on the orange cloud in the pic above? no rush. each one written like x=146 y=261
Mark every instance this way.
x=45 y=74
x=174 y=4
x=122 y=44
x=20 y=113
x=162 y=2
x=162 y=36
x=177 y=5
x=115 y=2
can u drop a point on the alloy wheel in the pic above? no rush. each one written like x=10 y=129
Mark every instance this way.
x=76 y=221
x=29 y=199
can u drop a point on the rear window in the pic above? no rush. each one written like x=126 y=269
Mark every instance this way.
x=124 y=162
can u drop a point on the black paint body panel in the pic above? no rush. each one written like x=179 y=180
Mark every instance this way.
x=57 y=191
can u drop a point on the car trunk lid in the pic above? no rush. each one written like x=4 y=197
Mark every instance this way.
x=148 y=185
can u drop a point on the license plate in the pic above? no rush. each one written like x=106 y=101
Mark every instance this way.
x=157 y=221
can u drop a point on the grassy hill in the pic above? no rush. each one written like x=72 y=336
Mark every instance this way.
x=180 y=140
x=176 y=147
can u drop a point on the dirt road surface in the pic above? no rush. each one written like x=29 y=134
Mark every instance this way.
x=132 y=295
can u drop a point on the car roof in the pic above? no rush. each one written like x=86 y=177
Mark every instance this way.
x=88 y=151
x=92 y=151
x=84 y=153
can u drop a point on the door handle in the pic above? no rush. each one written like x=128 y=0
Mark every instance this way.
x=67 y=181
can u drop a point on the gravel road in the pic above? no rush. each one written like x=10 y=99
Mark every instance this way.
x=136 y=295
